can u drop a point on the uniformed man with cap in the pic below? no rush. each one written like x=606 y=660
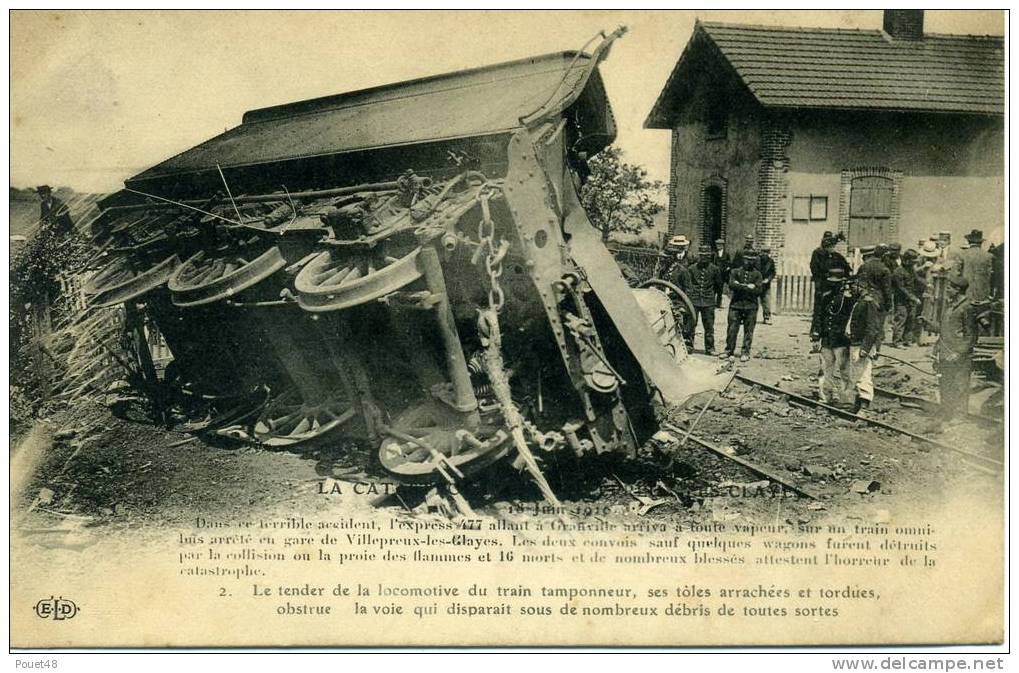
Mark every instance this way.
x=866 y=326
x=953 y=351
x=875 y=274
x=745 y=285
x=705 y=286
x=748 y=244
x=836 y=381
x=822 y=260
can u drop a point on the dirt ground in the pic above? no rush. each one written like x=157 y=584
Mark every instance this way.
x=84 y=465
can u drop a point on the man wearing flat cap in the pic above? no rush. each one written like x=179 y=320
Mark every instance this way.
x=977 y=268
x=822 y=260
x=953 y=351
x=745 y=285
x=705 y=286
x=53 y=214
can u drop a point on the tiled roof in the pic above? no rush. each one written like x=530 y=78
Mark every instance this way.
x=851 y=69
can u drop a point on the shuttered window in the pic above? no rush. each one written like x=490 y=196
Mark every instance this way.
x=870 y=211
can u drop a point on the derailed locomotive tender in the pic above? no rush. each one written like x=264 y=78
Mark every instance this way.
x=408 y=266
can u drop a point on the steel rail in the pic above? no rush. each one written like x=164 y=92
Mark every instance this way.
x=753 y=467
x=931 y=406
x=806 y=401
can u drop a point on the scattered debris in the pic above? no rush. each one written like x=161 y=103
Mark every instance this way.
x=865 y=486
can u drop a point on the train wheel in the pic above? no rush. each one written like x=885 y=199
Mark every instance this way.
x=204 y=279
x=288 y=420
x=436 y=425
x=682 y=307
x=119 y=282
x=336 y=280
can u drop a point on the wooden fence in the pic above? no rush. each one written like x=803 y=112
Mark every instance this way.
x=792 y=290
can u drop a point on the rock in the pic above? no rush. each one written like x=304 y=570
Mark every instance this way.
x=793 y=466
x=865 y=486
x=817 y=471
x=119 y=509
x=45 y=496
x=65 y=433
x=815 y=506
x=746 y=411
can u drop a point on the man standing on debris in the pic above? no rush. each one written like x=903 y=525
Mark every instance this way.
x=822 y=260
x=53 y=214
x=745 y=285
x=836 y=372
x=767 y=267
x=705 y=287
x=866 y=325
x=954 y=349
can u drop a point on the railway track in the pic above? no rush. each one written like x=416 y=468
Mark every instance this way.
x=979 y=461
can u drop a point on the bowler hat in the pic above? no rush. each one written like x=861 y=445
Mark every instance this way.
x=975 y=236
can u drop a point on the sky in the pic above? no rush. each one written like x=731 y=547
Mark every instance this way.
x=98 y=96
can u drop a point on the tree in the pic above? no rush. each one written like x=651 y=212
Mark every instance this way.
x=619 y=196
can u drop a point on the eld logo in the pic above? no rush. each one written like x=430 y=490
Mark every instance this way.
x=58 y=608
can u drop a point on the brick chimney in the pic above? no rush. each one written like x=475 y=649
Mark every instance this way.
x=904 y=24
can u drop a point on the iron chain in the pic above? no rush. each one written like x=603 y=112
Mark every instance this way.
x=494 y=253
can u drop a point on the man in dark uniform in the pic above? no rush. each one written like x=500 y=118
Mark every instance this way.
x=822 y=260
x=679 y=275
x=53 y=214
x=748 y=244
x=836 y=309
x=705 y=286
x=954 y=349
x=875 y=274
x=745 y=285
x=721 y=260
x=767 y=267
x=866 y=325
x=905 y=325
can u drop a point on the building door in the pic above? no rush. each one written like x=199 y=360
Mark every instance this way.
x=714 y=227
x=870 y=211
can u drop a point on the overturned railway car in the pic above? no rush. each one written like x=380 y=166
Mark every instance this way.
x=407 y=265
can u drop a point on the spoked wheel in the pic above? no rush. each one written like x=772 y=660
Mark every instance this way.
x=338 y=279
x=120 y=280
x=204 y=279
x=682 y=307
x=221 y=412
x=288 y=420
x=435 y=425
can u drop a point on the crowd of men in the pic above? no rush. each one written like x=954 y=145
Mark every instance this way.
x=895 y=296
x=747 y=275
